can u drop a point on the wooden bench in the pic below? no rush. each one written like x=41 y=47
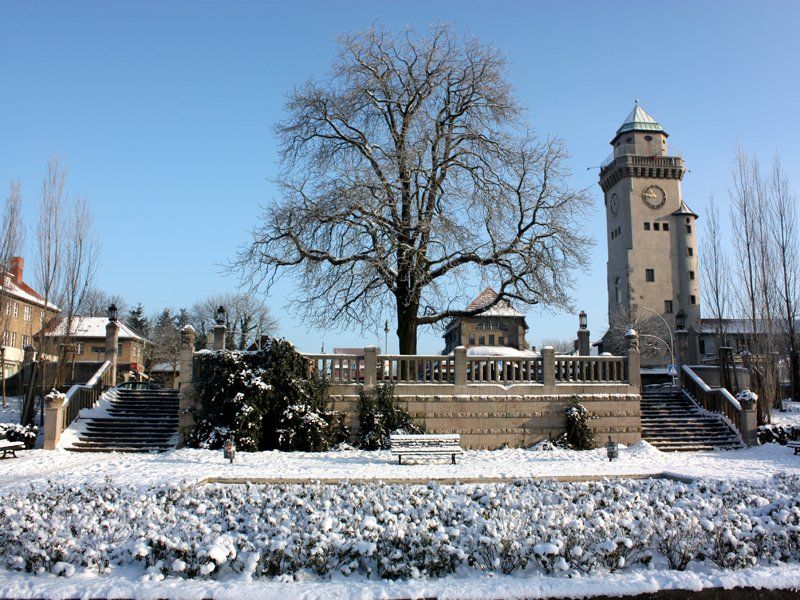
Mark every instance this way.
x=794 y=446
x=8 y=447
x=424 y=446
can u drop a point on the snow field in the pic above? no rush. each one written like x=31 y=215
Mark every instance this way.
x=400 y=531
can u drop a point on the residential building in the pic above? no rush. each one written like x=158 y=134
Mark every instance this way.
x=496 y=327
x=22 y=312
x=88 y=334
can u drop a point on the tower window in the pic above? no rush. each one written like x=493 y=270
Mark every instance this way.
x=666 y=227
x=690 y=252
x=668 y=307
x=649 y=138
x=647 y=226
x=656 y=226
x=691 y=275
x=649 y=275
x=692 y=299
x=617 y=291
x=688 y=229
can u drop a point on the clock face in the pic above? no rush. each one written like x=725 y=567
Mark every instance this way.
x=613 y=204
x=653 y=196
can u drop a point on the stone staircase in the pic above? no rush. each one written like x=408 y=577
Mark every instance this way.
x=672 y=422
x=131 y=421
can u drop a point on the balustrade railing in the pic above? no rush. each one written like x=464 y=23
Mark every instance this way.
x=460 y=369
x=718 y=400
x=86 y=395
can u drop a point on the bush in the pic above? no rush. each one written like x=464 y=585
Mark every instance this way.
x=379 y=415
x=20 y=433
x=768 y=434
x=265 y=400
x=578 y=434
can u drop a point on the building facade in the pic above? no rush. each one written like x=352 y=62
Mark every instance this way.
x=501 y=326
x=652 y=268
x=22 y=311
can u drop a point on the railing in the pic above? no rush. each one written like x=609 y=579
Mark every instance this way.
x=590 y=369
x=642 y=161
x=718 y=400
x=462 y=369
x=493 y=369
x=86 y=395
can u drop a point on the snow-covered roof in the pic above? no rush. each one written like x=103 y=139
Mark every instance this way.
x=92 y=327
x=165 y=367
x=500 y=351
x=639 y=120
x=24 y=292
x=502 y=309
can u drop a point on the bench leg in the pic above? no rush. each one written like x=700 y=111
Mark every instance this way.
x=453 y=458
x=399 y=459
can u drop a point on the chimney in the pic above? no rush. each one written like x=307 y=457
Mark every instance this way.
x=16 y=269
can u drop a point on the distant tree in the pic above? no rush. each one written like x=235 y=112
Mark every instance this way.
x=165 y=340
x=716 y=272
x=96 y=302
x=561 y=346
x=408 y=178
x=11 y=237
x=137 y=320
x=247 y=317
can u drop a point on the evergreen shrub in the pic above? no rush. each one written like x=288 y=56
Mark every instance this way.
x=380 y=415
x=578 y=434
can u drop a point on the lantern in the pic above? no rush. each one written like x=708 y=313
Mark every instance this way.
x=612 y=449
x=680 y=320
x=221 y=315
x=229 y=450
x=112 y=313
x=582 y=320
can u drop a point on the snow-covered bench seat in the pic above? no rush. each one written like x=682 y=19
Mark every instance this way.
x=424 y=446
x=794 y=446
x=8 y=447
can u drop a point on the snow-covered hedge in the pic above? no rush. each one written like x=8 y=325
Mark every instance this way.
x=14 y=432
x=400 y=531
x=780 y=434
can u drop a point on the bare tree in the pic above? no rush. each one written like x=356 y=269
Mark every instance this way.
x=11 y=235
x=95 y=303
x=716 y=272
x=408 y=182
x=654 y=334
x=247 y=318
x=561 y=346
x=783 y=206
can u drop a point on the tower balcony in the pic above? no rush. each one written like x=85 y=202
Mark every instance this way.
x=636 y=165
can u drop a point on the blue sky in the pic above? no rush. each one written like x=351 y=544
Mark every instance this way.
x=163 y=114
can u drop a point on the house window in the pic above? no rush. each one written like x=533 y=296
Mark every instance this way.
x=26 y=341
x=26 y=313
x=666 y=227
x=481 y=341
x=98 y=349
x=691 y=275
x=692 y=299
x=668 y=307
x=491 y=340
x=649 y=275
x=16 y=309
x=647 y=226
x=501 y=341
x=119 y=348
x=471 y=339
x=5 y=338
x=656 y=226
x=79 y=348
x=13 y=339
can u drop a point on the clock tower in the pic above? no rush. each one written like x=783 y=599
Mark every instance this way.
x=652 y=245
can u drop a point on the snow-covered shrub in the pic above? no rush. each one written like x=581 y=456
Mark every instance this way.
x=768 y=434
x=380 y=415
x=397 y=531
x=14 y=432
x=578 y=435
x=264 y=400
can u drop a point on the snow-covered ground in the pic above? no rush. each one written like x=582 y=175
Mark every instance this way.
x=39 y=466
x=788 y=417
x=12 y=412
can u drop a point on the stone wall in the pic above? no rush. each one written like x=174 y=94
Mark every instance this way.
x=516 y=420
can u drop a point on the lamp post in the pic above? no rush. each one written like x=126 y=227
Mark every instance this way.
x=112 y=341
x=219 y=329
x=683 y=338
x=386 y=337
x=583 y=334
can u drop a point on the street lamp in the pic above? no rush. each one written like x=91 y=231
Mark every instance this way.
x=112 y=313
x=221 y=315
x=582 y=320
x=386 y=337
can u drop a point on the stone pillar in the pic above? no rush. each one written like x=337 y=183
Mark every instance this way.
x=53 y=420
x=370 y=366
x=219 y=336
x=186 y=401
x=112 y=338
x=460 y=359
x=634 y=359
x=681 y=352
x=750 y=426
x=549 y=366
x=584 y=347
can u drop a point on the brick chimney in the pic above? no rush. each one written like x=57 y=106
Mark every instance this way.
x=16 y=269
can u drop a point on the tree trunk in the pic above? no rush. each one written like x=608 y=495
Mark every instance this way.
x=407 y=327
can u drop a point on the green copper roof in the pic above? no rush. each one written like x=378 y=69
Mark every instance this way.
x=639 y=120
